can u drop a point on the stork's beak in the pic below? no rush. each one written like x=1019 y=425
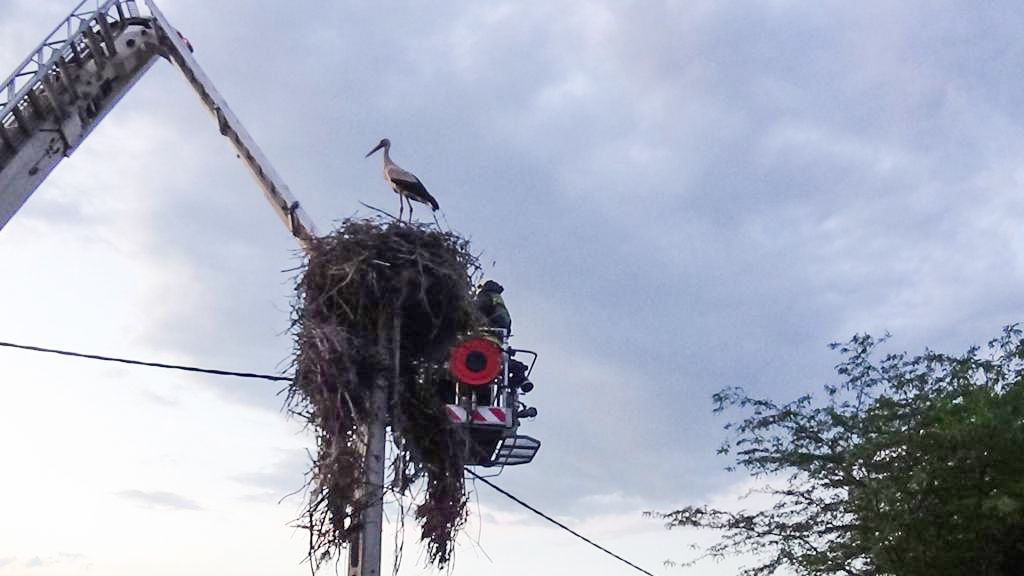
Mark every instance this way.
x=375 y=148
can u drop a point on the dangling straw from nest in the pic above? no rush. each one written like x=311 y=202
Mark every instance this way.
x=379 y=299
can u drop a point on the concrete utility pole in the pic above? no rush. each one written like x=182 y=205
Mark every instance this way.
x=50 y=104
x=364 y=554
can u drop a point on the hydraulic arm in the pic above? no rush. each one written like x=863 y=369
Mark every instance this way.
x=56 y=97
x=75 y=77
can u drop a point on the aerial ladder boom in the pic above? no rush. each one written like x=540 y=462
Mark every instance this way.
x=79 y=72
x=58 y=95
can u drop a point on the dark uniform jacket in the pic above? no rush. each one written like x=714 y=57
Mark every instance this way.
x=492 y=306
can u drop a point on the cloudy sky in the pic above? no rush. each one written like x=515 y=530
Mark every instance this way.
x=678 y=196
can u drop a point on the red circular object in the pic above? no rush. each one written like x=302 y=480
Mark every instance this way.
x=475 y=362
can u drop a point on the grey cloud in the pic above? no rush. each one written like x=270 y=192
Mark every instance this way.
x=678 y=198
x=160 y=399
x=283 y=477
x=159 y=499
x=48 y=560
x=709 y=206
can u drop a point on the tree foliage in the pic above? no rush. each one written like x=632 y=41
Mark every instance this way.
x=910 y=466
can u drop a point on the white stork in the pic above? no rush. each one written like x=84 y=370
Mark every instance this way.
x=404 y=183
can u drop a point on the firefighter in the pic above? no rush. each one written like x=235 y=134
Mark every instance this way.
x=490 y=303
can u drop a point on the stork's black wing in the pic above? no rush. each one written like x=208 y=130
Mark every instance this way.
x=410 y=186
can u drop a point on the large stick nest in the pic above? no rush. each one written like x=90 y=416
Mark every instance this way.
x=381 y=301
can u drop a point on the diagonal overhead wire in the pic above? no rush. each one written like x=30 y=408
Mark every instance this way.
x=512 y=497
x=270 y=377
x=275 y=378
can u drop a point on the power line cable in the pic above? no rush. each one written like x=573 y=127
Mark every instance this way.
x=270 y=377
x=274 y=378
x=556 y=522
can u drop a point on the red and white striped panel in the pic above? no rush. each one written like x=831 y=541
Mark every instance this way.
x=495 y=416
x=481 y=416
x=456 y=413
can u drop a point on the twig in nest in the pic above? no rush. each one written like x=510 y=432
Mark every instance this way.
x=355 y=322
x=384 y=212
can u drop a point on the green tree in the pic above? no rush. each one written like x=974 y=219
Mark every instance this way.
x=910 y=466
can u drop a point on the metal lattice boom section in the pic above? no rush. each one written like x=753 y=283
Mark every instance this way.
x=64 y=43
x=78 y=73
x=62 y=90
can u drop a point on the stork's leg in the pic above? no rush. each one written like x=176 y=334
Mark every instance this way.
x=410 y=210
x=401 y=206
